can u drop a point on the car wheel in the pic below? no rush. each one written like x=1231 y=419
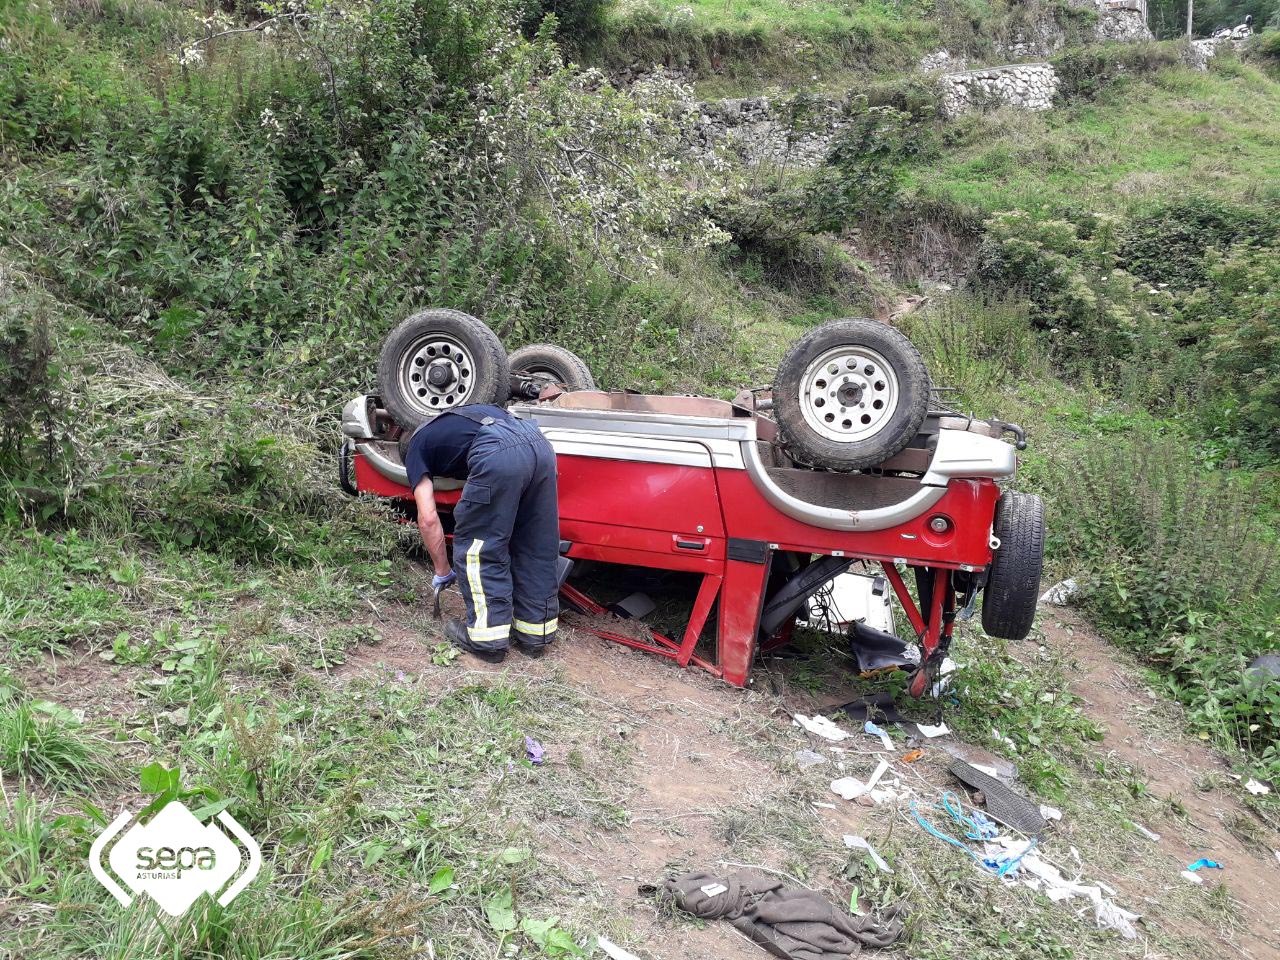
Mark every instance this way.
x=552 y=365
x=850 y=394
x=440 y=359
x=1013 y=584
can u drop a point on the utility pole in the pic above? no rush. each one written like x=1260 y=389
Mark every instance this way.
x=1191 y=6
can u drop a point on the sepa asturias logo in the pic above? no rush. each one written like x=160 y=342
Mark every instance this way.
x=174 y=858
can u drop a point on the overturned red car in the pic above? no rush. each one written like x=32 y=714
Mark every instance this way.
x=846 y=463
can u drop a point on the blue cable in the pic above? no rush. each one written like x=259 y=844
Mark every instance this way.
x=977 y=827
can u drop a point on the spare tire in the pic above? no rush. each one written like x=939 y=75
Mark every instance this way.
x=438 y=359
x=850 y=394
x=553 y=365
x=1013 y=583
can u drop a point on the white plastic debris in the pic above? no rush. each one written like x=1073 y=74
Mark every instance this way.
x=713 y=889
x=875 y=731
x=613 y=950
x=1193 y=877
x=822 y=726
x=1048 y=812
x=850 y=788
x=807 y=758
x=989 y=771
x=1149 y=834
x=1048 y=879
x=929 y=732
x=861 y=843
x=1061 y=593
x=945 y=670
x=1257 y=788
x=1013 y=747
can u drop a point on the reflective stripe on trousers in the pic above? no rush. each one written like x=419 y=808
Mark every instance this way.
x=506 y=525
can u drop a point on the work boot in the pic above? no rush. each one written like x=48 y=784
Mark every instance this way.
x=455 y=631
x=531 y=650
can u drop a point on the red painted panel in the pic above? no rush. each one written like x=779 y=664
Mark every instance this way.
x=651 y=496
x=968 y=504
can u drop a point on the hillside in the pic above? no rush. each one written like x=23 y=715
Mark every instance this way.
x=211 y=215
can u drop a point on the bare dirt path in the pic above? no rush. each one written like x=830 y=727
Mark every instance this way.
x=1145 y=733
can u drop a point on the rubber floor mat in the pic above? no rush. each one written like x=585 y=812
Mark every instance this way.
x=1010 y=808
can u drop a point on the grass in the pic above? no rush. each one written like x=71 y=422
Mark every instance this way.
x=784 y=40
x=1141 y=142
x=43 y=741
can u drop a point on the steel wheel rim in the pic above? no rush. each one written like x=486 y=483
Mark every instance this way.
x=543 y=374
x=437 y=373
x=849 y=394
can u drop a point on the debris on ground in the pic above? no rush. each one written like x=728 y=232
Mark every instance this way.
x=861 y=843
x=1193 y=877
x=1003 y=803
x=912 y=756
x=946 y=670
x=1050 y=813
x=851 y=788
x=929 y=732
x=1047 y=879
x=614 y=951
x=1204 y=864
x=1061 y=593
x=1257 y=788
x=984 y=760
x=873 y=706
x=1016 y=859
x=821 y=726
x=807 y=758
x=1149 y=834
x=789 y=923
x=875 y=731
x=534 y=751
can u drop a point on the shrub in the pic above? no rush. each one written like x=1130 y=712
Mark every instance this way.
x=977 y=344
x=579 y=23
x=1180 y=568
x=27 y=374
x=867 y=166
x=1170 y=244
x=1236 y=315
x=1083 y=72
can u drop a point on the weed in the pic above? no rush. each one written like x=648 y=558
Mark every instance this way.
x=46 y=741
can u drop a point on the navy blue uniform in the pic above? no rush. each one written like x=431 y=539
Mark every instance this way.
x=506 y=533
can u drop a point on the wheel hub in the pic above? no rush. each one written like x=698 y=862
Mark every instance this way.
x=437 y=372
x=441 y=373
x=849 y=393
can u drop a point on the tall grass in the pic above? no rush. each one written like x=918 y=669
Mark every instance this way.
x=42 y=740
x=1181 y=568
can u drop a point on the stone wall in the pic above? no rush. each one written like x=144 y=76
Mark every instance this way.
x=797 y=132
x=1123 y=21
x=1025 y=86
x=1200 y=52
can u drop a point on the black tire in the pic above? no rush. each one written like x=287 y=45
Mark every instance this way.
x=1013 y=583
x=555 y=365
x=884 y=406
x=462 y=347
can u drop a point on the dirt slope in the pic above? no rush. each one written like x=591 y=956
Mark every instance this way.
x=1143 y=732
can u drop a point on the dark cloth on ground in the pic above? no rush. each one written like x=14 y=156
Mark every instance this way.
x=791 y=924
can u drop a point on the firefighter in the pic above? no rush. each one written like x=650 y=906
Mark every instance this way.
x=506 y=532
